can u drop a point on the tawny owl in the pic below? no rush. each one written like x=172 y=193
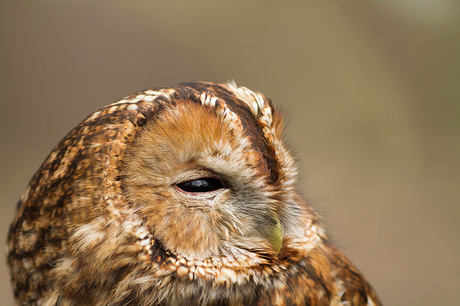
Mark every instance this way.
x=176 y=196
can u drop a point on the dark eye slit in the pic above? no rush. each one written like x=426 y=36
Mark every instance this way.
x=204 y=184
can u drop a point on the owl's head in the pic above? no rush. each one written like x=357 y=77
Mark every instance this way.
x=180 y=195
x=209 y=175
x=172 y=184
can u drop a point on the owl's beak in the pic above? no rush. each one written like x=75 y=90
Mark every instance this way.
x=276 y=235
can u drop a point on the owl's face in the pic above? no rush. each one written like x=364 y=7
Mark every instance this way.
x=208 y=185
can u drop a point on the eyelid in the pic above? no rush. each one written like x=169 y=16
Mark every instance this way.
x=195 y=174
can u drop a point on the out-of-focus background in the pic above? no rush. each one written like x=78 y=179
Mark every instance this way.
x=370 y=90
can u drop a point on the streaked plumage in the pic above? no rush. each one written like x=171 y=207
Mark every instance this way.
x=176 y=196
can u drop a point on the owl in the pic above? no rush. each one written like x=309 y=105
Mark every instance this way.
x=176 y=196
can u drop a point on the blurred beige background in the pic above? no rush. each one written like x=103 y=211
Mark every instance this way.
x=370 y=90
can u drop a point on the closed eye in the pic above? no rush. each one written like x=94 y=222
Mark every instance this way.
x=204 y=184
